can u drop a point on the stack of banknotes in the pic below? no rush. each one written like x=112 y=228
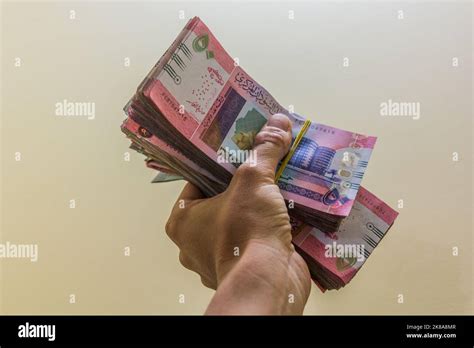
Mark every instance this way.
x=195 y=116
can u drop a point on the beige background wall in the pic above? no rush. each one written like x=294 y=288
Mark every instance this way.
x=300 y=61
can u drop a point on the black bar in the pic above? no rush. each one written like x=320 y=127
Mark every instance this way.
x=314 y=330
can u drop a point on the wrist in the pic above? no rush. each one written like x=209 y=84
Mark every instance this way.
x=259 y=282
x=262 y=255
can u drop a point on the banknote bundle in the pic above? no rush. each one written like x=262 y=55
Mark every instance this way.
x=196 y=114
x=197 y=102
x=335 y=258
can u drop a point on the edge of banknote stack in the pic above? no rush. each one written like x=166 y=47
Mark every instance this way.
x=197 y=111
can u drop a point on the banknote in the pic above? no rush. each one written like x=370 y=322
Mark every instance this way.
x=166 y=158
x=166 y=177
x=335 y=258
x=200 y=102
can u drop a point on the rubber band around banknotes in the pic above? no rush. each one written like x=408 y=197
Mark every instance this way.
x=290 y=154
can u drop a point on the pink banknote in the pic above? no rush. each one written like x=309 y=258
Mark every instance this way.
x=344 y=252
x=215 y=104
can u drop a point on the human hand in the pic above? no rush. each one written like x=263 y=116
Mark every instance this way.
x=239 y=241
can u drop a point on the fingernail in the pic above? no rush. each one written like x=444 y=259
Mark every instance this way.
x=279 y=121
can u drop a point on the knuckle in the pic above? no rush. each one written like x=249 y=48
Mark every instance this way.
x=184 y=260
x=273 y=135
x=207 y=283
x=170 y=228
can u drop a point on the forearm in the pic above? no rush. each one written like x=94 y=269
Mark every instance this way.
x=259 y=283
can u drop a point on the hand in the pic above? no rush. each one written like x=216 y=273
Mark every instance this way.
x=239 y=241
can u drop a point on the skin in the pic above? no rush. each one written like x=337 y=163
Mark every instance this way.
x=267 y=276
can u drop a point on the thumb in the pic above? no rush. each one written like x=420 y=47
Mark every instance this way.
x=271 y=144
